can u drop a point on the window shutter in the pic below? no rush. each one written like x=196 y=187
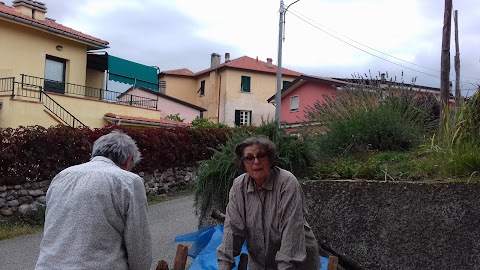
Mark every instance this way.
x=237 y=118
x=250 y=118
x=245 y=84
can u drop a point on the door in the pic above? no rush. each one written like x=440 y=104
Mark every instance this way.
x=54 y=75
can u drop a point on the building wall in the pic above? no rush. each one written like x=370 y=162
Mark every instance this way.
x=27 y=48
x=23 y=111
x=262 y=87
x=168 y=107
x=308 y=93
x=181 y=87
x=211 y=98
x=16 y=113
x=95 y=78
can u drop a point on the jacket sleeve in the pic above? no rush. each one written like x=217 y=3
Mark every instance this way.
x=292 y=246
x=137 y=233
x=233 y=231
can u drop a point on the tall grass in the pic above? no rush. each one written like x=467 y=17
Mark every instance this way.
x=457 y=150
x=371 y=117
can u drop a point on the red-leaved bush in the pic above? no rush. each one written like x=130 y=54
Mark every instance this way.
x=36 y=153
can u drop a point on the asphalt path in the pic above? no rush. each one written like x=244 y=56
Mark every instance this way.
x=166 y=220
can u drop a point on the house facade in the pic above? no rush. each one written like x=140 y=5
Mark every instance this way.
x=233 y=92
x=51 y=74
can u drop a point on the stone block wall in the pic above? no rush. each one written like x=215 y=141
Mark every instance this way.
x=398 y=225
x=25 y=199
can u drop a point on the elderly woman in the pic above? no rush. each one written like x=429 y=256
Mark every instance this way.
x=266 y=208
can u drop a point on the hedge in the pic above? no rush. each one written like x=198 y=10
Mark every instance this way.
x=35 y=153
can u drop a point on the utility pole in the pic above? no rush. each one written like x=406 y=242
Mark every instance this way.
x=281 y=24
x=445 y=64
x=278 y=96
x=458 y=94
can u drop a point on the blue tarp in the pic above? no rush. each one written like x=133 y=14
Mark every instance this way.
x=204 y=248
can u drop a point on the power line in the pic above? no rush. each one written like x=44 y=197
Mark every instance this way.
x=299 y=15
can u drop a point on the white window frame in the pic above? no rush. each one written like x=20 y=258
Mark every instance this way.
x=245 y=118
x=292 y=107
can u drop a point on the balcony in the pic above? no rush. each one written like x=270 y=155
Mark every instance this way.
x=70 y=89
x=70 y=104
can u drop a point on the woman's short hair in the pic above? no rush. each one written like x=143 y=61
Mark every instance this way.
x=264 y=142
x=116 y=146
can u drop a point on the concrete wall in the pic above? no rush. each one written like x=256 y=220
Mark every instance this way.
x=398 y=225
x=181 y=87
x=28 y=111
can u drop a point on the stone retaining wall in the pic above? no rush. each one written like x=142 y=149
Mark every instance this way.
x=25 y=199
x=398 y=225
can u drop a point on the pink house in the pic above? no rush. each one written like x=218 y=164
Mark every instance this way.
x=303 y=92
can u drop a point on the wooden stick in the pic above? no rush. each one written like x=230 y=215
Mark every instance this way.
x=162 y=265
x=332 y=263
x=242 y=265
x=181 y=257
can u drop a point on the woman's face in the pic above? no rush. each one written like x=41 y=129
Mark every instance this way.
x=256 y=163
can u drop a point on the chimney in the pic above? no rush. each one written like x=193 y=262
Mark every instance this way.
x=215 y=60
x=33 y=9
x=227 y=57
x=269 y=62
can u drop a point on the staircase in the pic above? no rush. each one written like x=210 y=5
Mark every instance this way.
x=23 y=90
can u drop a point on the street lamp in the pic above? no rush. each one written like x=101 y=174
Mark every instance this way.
x=278 y=99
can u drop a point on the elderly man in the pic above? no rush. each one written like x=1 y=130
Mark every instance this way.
x=97 y=212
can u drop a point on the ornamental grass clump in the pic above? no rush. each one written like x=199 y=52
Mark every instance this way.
x=373 y=115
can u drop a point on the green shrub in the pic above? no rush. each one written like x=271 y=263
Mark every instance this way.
x=206 y=123
x=175 y=117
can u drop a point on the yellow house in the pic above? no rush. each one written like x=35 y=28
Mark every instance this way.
x=234 y=92
x=49 y=74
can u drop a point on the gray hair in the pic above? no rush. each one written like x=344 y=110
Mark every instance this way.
x=116 y=146
x=264 y=142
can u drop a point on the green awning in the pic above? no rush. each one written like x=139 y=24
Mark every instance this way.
x=124 y=71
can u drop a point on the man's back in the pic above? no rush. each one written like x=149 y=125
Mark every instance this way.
x=96 y=219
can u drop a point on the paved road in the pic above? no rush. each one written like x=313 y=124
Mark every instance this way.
x=167 y=220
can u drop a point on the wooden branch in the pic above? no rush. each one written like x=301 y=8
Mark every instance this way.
x=162 y=265
x=332 y=263
x=218 y=215
x=181 y=257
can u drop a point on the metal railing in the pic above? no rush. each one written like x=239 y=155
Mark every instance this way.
x=59 y=111
x=36 y=92
x=89 y=92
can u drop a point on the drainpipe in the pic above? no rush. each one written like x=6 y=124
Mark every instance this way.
x=219 y=95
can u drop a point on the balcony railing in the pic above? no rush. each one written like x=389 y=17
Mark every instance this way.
x=89 y=92
x=36 y=92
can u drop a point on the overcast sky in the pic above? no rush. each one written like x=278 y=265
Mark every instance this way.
x=175 y=34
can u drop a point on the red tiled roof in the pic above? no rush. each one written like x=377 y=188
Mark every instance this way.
x=249 y=63
x=166 y=122
x=50 y=24
x=182 y=71
x=244 y=62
